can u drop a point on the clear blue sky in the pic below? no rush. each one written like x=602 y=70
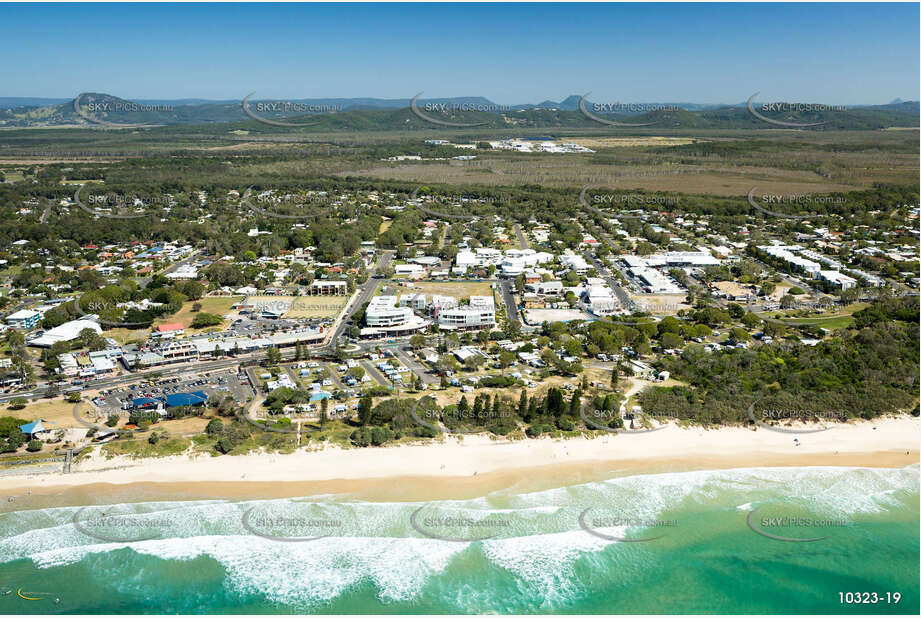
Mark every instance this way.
x=509 y=53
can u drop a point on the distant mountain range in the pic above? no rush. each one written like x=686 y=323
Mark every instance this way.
x=350 y=114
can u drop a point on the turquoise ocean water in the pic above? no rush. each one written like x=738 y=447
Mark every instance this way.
x=675 y=542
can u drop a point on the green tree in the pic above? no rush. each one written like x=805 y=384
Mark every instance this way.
x=671 y=341
x=18 y=403
x=203 y=320
x=523 y=404
x=365 y=405
x=272 y=355
x=750 y=320
x=575 y=404
x=214 y=427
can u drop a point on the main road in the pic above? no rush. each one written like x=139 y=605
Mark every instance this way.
x=625 y=301
x=511 y=309
x=367 y=291
x=522 y=240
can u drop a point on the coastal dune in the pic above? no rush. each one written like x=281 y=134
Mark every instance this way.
x=474 y=465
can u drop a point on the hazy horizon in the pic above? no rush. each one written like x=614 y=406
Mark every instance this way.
x=707 y=54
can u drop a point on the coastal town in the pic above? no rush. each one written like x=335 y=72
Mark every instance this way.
x=314 y=309
x=470 y=306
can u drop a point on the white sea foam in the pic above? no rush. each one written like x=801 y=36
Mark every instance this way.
x=376 y=543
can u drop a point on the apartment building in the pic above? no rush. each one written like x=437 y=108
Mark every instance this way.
x=479 y=313
x=383 y=311
x=24 y=319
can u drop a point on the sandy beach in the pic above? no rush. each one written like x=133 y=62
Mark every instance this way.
x=475 y=465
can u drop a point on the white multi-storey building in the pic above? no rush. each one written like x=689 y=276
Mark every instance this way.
x=383 y=312
x=654 y=281
x=799 y=263
x=481 y=312
x=440 y=303
x=415 y=301
x=575 y=263
x=837 y=279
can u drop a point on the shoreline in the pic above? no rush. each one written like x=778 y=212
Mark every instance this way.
x=468 y=467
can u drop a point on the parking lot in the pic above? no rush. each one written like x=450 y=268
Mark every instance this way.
x=218 y=384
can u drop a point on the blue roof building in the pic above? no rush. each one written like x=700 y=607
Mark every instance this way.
x=195 y=398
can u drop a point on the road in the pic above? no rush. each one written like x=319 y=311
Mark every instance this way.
x=143 y=281
x=367 y=291
x=415 y=366
x=374 y=373
x=522 y=239
x=197 y=367
x=334 y=376
x=292 y=373
x=625 y=301
x=511 y=309
x=47 y=212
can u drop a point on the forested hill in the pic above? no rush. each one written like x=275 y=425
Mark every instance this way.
x=349 y=115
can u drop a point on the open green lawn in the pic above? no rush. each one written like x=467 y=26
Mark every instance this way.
x=840 y=318
x=218 y=305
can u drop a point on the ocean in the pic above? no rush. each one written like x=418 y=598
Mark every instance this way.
x=818 y=540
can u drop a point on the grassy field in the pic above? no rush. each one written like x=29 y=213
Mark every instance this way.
x=304 y=306
x=631 y=142
x=775 y=162
x=723 y=180
x=317 y=306
x=458 y=289
x=841 y=318
x=835 y=322
x=218 y=305
x=660 y=303
x=57 y=412
x=125 y=336
x=12 y=175
x=82 y=182
x=140 y=447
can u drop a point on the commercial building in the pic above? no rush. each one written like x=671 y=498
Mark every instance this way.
x=440 y=303
x=655 y=282
x=24 y=319
x=65 y=332
x=186 y=271
x=546 y=288
x=837 y=279
x=382 y=311
x=385 y=318
x=575 y=263
x=328 y=288
x=425 y=260
x=413 y=271
x=672 y=259
x=796 y=262
x=479 y=313
x=168 y=331
x=414 y=301
x=516 y=261
x=601 y=300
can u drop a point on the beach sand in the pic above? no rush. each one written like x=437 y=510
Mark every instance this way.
x=463 y=468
